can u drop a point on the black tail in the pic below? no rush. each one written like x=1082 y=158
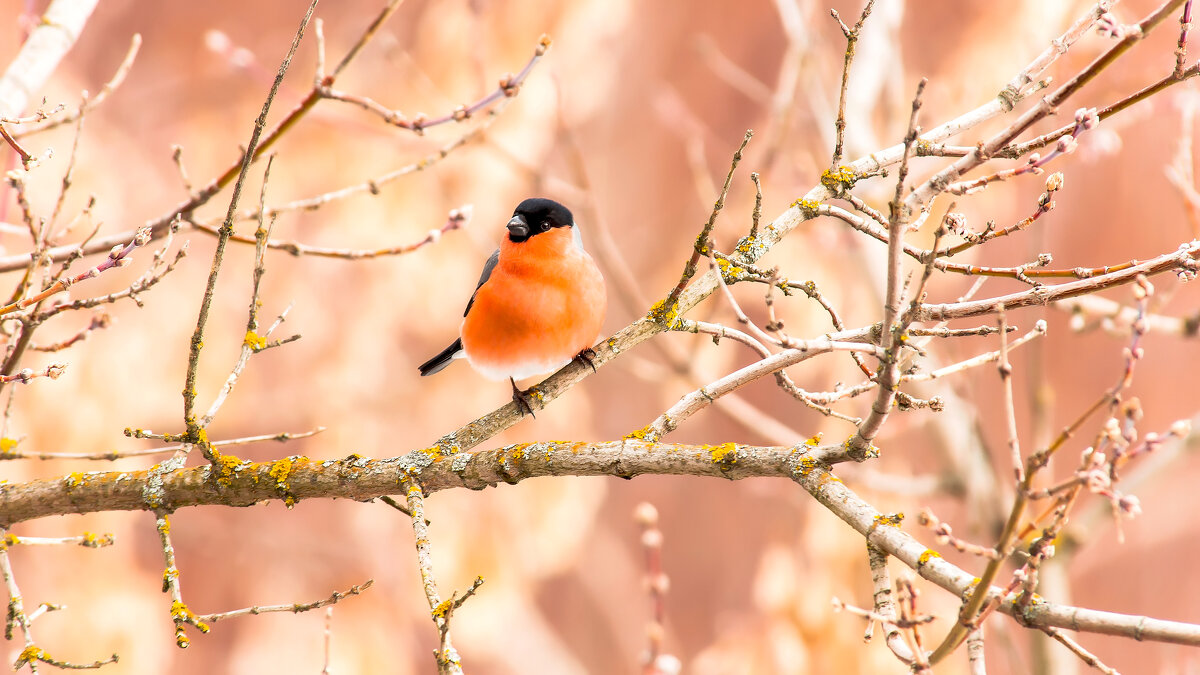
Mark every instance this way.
x=441 y=360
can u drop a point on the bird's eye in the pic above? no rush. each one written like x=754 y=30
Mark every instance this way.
x=544 y=226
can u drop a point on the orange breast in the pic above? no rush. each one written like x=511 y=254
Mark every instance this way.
x=543 y=304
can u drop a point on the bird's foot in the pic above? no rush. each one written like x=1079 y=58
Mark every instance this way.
x=522 y=400
x=585 y=357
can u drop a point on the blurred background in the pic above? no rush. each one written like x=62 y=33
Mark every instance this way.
x=630 y=120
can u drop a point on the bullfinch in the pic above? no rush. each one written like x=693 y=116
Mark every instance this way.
x=539 y=304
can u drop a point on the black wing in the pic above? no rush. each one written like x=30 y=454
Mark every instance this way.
x=444 y=358
x=483 y=277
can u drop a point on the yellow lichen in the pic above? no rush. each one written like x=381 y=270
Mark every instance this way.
x=1027 y=598
x=805 y=466
x=726 y=453
x=893 y=519
x=254 y=341
x=808 y=206
x=928 y=555
x=730 y=272
x=442 y=610
x=29 y=655
x=839 y=179
x=666 y=316
x=223 y=468
x=279 y=472
x=182 y=614
x=8 y=447
x=643 y=434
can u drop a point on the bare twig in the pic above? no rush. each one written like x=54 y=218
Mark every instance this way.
x=252 y=342
x=118 y=257
x=1078 y=650
x=706 y=395
x=893 y=333
x=448 y=660
x=90 y=102
x=508 y=88
x=160 y=225
x=1010 y=411
x=189 y=389
x=113 y=455
x=294 y=608
x=703 y=244
x=457 y=219
x=655 y=661
x=181 y=614
x=852 y=35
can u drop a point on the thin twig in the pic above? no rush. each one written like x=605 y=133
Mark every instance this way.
x=1010 y=411
x=160 y=225
x=508 y=88
x=252 y=342
x=654 y=662
x=135 y=44
x=852 y=35
x=294 y=608
x=892 y=332
x=189 y=388
x=448 y=660
x=456 y=219
x=703 y=244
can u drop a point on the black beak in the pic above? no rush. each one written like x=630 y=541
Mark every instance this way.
x=518 y=228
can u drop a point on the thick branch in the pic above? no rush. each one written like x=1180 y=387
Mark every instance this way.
x=49 y=42
x=235 y=483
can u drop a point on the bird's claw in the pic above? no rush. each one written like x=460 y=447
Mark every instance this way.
x=585 y=357
x=521 y=399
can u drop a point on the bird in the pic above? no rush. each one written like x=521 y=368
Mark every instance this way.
x=539 y=304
